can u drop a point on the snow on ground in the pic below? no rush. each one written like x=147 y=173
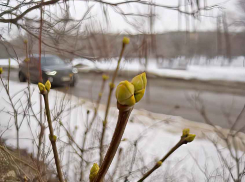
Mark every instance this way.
x=5 y=63
x=199 y=68
x=158 y=133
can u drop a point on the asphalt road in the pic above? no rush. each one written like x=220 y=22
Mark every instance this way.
x=223 y=102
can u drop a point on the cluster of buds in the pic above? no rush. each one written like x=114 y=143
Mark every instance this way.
x=129 y=93
x=44 y=88
x=187 y=136
x=93 y=172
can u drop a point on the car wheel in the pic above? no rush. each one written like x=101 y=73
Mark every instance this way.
x=22 y=77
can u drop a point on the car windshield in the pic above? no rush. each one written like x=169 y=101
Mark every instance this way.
x=52 y=60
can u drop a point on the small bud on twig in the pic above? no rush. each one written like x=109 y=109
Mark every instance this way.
x=186 y=132
x=112 y=85
x=1 y=70
x=60 y=122
x=125 y=93
x=41 y=87
x=104 y=123
x=159 y=163
x=186 y=136
x=48 y=85
x=53 y=138
x=139 y=83
x=126 y=40
x=25 y=41
x=93 y=172
x=27 y=60
x=25 y=178
x=105 y=77
x=190 y=138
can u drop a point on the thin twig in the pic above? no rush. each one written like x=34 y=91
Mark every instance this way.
x=53 y=138
x=124 y=113
x=157 y=165
x=109 y=102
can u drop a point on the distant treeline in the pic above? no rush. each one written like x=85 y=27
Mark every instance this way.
x=167 y=45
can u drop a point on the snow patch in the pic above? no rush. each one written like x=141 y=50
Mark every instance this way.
x=158 y=133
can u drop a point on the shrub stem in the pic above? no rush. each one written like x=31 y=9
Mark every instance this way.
x=52 y=138
x=124 y=113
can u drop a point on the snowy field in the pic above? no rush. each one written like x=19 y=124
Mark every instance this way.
x=157 y=133
x=195 y=68
x=199 y=68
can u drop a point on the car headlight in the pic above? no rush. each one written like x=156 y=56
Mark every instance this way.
x=51 y=73
x=74 y=70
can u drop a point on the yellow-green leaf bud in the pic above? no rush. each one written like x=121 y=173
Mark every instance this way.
x=125 y=93
x=138 y=95
x=93 y=172
x=25 y=178
x=27 y=60
x=159 y=163
x=139 y=83
x=104 y=123
x=41 y=87
x=124 y=139
x=53 y=139
x=190 y=138
x=112 y=85
x=105 y=77
x=1 y=70
x=126 y=40
x=48 y=85
x=100 y=94
x=60 y=122
x=186 y=132
x=25 y=41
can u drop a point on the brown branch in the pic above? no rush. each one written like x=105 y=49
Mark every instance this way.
x=54 y=47
x=52 y=138
x=39 y=5
x=124 y=113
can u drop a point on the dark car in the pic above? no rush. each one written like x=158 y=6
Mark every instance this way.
x=54 y=69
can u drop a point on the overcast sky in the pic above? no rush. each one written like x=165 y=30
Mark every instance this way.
x=165 y=20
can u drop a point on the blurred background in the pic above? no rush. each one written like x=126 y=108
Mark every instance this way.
x=185 y=46
x=193 y=52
